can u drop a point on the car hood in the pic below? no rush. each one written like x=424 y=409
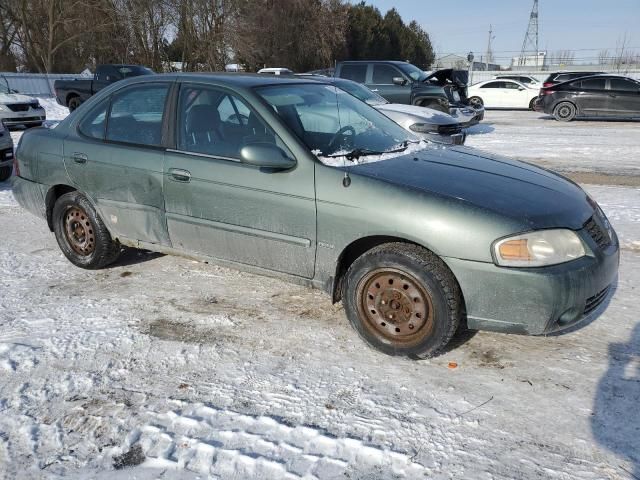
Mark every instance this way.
x=15 y=98
x=535 y=196
x=419 y=114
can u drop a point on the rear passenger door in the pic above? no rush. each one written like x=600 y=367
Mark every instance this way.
x=493 y=94
x=381 y=82
x=116 y=158
x=593 y=100
x=220 y=207
x=625 y=97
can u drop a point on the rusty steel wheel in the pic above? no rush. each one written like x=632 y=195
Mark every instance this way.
x=395 y=305
x=79 y=231
x=402 y=300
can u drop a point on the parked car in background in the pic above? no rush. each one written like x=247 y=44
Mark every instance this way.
x=6 y=153
x=17 y=109
x=71 y=93
x=404 y=83
x=560 y=77
x=276 y=71
x=598 y=96
x=243 y=170
x=425 y=122
x=502 y=94
x=524 y=79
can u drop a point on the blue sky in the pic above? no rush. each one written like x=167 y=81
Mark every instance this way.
x=463 y=25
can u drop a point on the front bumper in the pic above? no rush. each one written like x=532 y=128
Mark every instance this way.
x=536 y=300
x=29 y=117
x=453 y=139
x=467 y=116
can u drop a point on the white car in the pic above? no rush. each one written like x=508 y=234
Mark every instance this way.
x=17 y=109
x=6 y=153
x=502 y=93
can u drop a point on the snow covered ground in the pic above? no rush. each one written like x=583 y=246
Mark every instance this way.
x=177 y=369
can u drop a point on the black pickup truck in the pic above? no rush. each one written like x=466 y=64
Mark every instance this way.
x=71 y=93
x=402 y=82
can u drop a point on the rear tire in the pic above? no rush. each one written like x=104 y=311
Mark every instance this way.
x=81 y=234
x=403 y=300
x=5 y=173
x=476 y=102
x=532 y=103
x=73 y=103
x=564 y=112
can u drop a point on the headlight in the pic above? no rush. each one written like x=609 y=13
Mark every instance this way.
x=538 y=249
x=423 y=128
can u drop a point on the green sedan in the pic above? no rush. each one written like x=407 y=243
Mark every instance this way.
x=296 y=179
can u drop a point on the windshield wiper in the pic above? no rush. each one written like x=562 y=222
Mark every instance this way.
x=356 y=153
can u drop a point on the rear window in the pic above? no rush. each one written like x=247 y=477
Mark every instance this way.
x=355 y=72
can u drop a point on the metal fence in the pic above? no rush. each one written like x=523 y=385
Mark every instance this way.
x=36 y=84
x=482 y=75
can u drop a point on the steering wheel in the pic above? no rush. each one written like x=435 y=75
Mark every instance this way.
x=341 y=134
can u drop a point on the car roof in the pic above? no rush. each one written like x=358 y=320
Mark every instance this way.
x=247 y=80
x=395 y=62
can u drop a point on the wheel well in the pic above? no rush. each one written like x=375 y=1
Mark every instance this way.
x=70 y=96
x=53 y=195
x=351 y=253
x=565 y=101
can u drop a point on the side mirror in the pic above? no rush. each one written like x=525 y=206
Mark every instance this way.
x=399 y=81
x=268 y=155
x=521 y=88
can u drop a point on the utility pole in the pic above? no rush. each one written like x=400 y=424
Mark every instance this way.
x=531 y=37
x=489 y=52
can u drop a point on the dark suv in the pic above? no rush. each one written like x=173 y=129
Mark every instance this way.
x=559 y=77
x=402 y=82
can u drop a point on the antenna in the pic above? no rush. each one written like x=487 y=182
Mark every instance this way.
x=530 y=42
x=489 y=57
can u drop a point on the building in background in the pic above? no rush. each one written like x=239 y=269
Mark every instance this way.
x=461 y=63
x=527 y=62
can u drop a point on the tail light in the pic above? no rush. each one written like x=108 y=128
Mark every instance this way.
x=547 y=84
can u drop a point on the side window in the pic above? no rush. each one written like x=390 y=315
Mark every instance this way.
x=136 y=115
x=355 y=72
x=593 y=84
x=217 y=123
x=383 y=74
x=92 y=125
x=624 y=85
x=511 y=85
x=493 y=85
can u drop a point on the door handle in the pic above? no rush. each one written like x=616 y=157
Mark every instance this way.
x=180 y=175
x=79 y=157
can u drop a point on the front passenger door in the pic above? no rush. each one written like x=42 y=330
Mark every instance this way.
x=382 y=82
x=220 y=207
x=625 y=97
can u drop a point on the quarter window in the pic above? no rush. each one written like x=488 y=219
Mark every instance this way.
x=355 y=72
x=218 y=123
x=136 y=115
x=493 y=85
x=383 y=74
x=93 y=124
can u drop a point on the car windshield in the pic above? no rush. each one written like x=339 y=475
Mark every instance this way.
x=334 y=124
x=414 y=72
x=360 y=91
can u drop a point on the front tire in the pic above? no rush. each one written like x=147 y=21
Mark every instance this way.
x=403 y=300
x=81 y=234
x=476 y=102
x=5 y=173
x=564 y=112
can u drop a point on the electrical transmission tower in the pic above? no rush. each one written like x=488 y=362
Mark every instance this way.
x=530 y=43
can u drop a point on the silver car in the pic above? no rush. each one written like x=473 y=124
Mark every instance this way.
x=17 y=109
x=425 y=122
x=6 y=153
